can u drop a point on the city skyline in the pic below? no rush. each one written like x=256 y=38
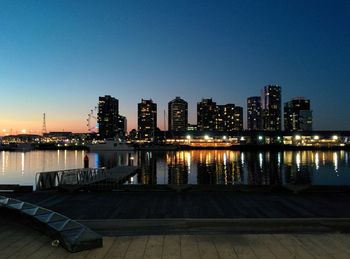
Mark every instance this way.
x=108 y=108
x=57 y=57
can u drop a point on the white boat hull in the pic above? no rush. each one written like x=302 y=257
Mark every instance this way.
x=110 y=146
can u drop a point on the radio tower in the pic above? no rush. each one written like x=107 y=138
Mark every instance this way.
x=44 y=124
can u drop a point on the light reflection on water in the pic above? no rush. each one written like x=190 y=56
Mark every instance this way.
x=191 y=167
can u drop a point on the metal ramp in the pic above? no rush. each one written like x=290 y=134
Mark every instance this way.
x=76 y=179
x=70 y=179
x=72 y=235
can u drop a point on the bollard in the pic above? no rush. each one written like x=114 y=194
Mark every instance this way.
x=129 y=159
x=86 y=161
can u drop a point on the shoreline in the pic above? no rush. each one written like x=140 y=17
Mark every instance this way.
x=248 y=147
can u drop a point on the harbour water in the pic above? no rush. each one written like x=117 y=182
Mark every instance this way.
x=190 y=167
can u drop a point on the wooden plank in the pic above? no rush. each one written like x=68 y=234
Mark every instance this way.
x=13 y=235
x=119 y=247
x=48 y=250
x=101 y=252
x=239 y=206
x=154 y=248
x=4 y=226
x=17 y=245
x=313 y=248
x=7 y=236
x=137 y=247
x=31 y=247
x=275 y=246
x=295 y=208
x=224 y=247
x=341 y=241
x=260 y=249
x=79 y=255
x=330 y=246
x=192 y=205
x=172 y=248
x=241 y=246
x=294 y=246
x=206 y=248
x=60 y=252
x=189 y=247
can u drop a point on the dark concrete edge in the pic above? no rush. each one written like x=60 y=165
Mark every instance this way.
x=125 y=227
x=67 y=241
x=289 y=188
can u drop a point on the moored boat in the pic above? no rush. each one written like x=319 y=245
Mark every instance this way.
x=110 y=145
x=26 y=146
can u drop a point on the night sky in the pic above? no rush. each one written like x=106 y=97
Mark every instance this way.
x=58 y=57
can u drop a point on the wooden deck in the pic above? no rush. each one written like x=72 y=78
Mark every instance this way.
x=19 y=241
x=172 y=204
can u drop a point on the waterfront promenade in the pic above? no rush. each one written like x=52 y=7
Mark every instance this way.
x=165 y=203
x=192 y=224
x=19 y=241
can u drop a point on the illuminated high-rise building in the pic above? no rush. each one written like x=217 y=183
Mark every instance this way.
x=212 y=117
x=297 y=115
x=238 y=118
x=206 y=115
x=177 y=115
x=107 y=117
x=254 y=113
x=225 y=117
x=122 y=127
x=271 y=107
x=147 y=120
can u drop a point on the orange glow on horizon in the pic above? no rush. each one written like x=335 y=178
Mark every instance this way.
x=29 y=127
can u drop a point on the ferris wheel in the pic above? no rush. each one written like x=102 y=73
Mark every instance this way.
x=92 y=121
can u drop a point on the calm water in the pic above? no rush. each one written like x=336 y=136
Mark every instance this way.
x=191 y=167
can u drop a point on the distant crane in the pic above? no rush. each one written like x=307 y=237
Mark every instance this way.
x=44 y=124
x=92 y=121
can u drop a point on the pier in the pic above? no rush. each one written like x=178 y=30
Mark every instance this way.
x=75 y=179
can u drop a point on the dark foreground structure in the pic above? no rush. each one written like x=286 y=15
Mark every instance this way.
x=188 y=211
x=193 y=223
x=72 y=235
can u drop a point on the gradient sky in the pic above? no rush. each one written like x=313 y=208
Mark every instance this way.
x=58 y=56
